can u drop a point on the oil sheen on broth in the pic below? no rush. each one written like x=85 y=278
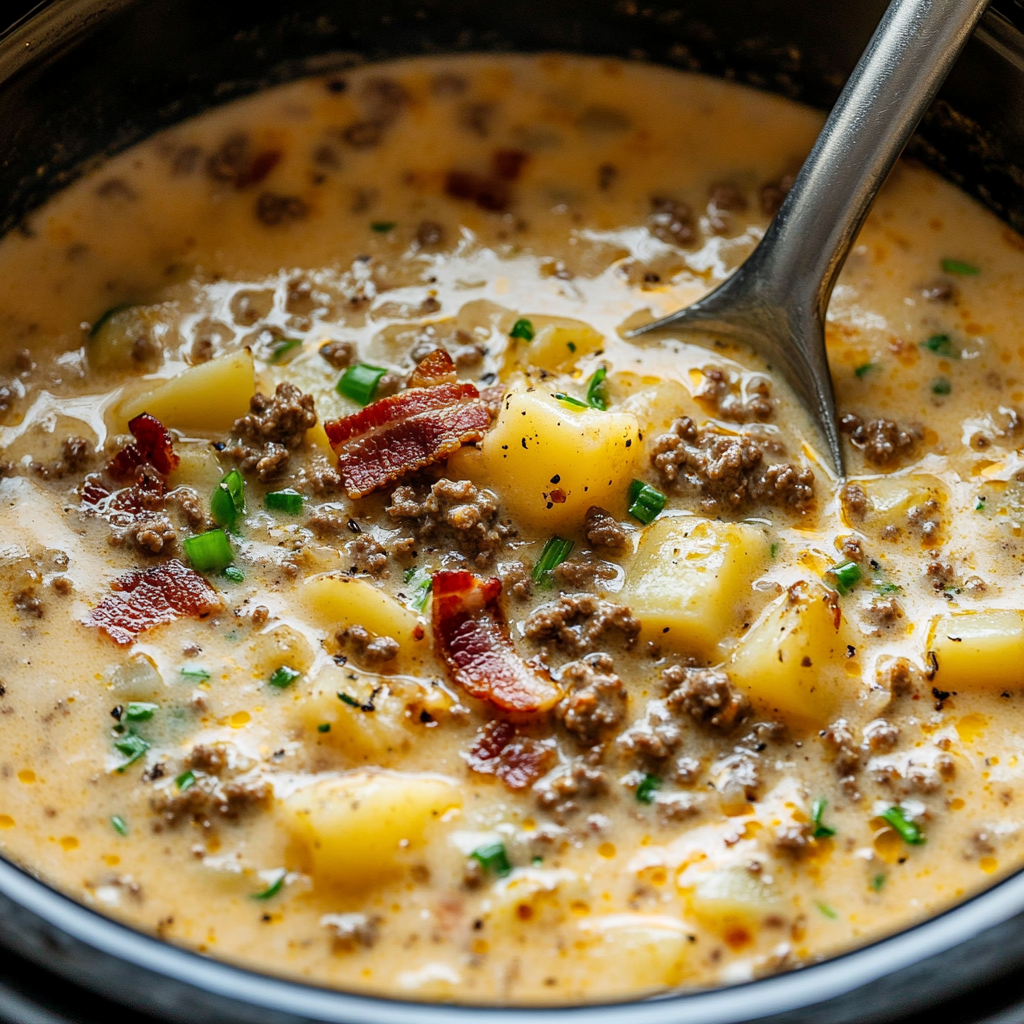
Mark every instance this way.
x=451 y=708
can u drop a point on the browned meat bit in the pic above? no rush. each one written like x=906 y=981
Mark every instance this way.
x=28 y=603
x=273 y=210
x=846 y=754
x=320 y=476
x=706 y=694
x=190 y=507
x=793 y=838
x=917 y=774
x=673 y=807
x=724 y=199
x=273 y=427
x=882 y=441
x=489 y=193
x=939 y=290
x=883 y=612
x=941 y=575
x=671 y=222
x=338 y=354
x=468 y=512
x=579 y=781
x=729 y=469
x=654 y=737
x=351 y=930
x=477 y=117
x=154 y=536
x=584 y=570
x=722 y=391
x=370 y=649
x=224 y=785
x=76 y=454
x=575 y=622
x=329 y=520
x=926 y=521
x=515 y=579
x=880 y=735
x=686 y=771
x=383 y=100
x=899 y=676
x=604 y=530
x=211 y=758
x=367 y=555
x=774 y=193
x=737 y=779
x=854 y=499
x=500 y=749
x=594 y=701
x=429 y=234
x=235 y=163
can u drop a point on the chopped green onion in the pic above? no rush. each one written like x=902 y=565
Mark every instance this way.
x=422 y=595
x=382 y=227
x=773 y=549
x=597 y=393
x=821 y=831
x=324 y=727
x=284 y=676
x=571 y=346
x=980 y=507
x=350 y=701
x=186 y=780
x=555 y=552
x=846 y=576
x=826 y=910
x=132 y=747
x=359 y=382
x=139 y=711
x=645 y=503
x=910 y=832
x=537 y=860
x=522 y=329
x=865 y=369
x=492 y=857
x=941 y=345
x=289 y=500
x=941 y=386
x=194 y=672
x=645 y=791
x=282 y=349
x=273 y=889
x=884 y=586
x=233 y=573
x=120 y=825
x=410 y=574
x=209 y=552
x=877 y=882
x=228 y=501
x=575 y=403
x=113 y=311
x=960 y=267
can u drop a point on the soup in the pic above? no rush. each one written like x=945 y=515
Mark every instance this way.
x=379 y=615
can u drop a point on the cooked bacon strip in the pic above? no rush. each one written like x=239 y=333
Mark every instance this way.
x=517 y=760
x=151 y=597
x=405 y=432
x=471 y=636
x=436 y=367
x=153 y=446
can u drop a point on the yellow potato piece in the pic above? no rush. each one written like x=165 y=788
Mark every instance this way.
x=792 y=662
x=730 y=895
x=365 y=827
x=892 y=498
x=690 y=579
x=340 y=601
x=559 y=343
x=114 y=344
x=550 y=461
x=205 y=398
x=981 y=650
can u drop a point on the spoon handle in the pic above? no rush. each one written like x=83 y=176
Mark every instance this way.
x=909 y=56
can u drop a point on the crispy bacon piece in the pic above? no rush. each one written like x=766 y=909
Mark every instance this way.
x=405 y=432
x=471 y=636
x=147 y=598
x=435 y=367
x=500 y=749
x=153 y=446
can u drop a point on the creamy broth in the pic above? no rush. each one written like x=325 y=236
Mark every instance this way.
x=741 y=732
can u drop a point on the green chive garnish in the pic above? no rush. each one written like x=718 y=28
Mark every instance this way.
x=941 y=386
x=422 y=595
x=382 y=227
x=773 y=549
x=647 y=788
x=645 y=503
x=284 y=676
x=910 y=832
x=324 y=727
x=273 y=889
x=282 y=348
x=233 y=573
x=941 y=345
x=555 y=552
x=522 y=329
x=139 y=711
x=350 y=701
x=132 y=747
x=289 y=501
x=821 y=831
x=826 y=910
x=194 y=672
x=597 y=396
x=980 y=507
x=961 y=268
x=120 y=825
x=865 y=369
x=186 y=780
x=575 y=403
x=492 y=857
x=359 y=382
x=209 y=552
x=846 y=576
x=877 y=882
x=228 y=501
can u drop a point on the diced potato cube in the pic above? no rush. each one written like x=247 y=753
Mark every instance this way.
x=198 y=467
x=730 y=895
x=340 y=601
x=900 y=505
x=207 y=398
x=362 y=828
x=532 y=898
x=657 y=406
x=690 y=580
x=791 y=663
x=550 y=461
x=559 y=343
x=982 y=650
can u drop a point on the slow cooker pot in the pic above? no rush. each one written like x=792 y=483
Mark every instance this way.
x=80 y=79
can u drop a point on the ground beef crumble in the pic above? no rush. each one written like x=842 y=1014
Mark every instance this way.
x=575 y=622
x=220 y=788
x=273 y=428
x=706 y=694
x=367 y=648
x=730 y=470
x=595 y=699
x=579 y=781
x=722 y=391
x=883 y=442
x=603 y=530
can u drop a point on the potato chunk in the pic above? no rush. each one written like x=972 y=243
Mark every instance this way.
x=365 y=827
x=206 y=398
x=730 y=896
x=690 y=578
x=899 y=505
x=627 y=952
x=981 y=650
x=792 y=662
x=550 y=461
x=560 y=342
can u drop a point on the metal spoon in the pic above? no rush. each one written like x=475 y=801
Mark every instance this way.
x=776 y=301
